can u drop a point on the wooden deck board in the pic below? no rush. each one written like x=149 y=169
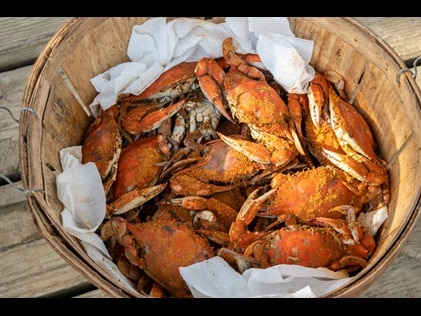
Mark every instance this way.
x=20 y=45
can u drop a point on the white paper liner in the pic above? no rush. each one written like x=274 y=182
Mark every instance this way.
x=80 y=189
x=214 y=278
x=156 y=46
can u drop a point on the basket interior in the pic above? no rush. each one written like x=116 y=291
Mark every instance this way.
x=59 y=90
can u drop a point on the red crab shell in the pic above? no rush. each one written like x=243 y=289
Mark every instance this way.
x=314 y=247
x=160 y=248
x=138 y=166
x=102 y=144
x=314 y=192
x=221 y=168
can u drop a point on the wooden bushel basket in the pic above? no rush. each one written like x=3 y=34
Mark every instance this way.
x=59 y=91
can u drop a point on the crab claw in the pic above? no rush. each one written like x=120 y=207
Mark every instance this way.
x=254 y=151
x=232 y=58
x=350 y=127
x=365 y=171
x=239 y=234
x=297 y=104
x=155 y=119
x=133 y=199
x=317 y=97
x=210 y=76
x=222 y=211
x=346 y=163
x=297 y=142
x=360 y=243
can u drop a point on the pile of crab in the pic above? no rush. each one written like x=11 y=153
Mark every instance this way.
x=216 y=159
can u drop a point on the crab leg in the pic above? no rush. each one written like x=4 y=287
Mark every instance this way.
x=130 y=118
x=223 y=212
x=360 y=243
x=353 y=133
x=254 y=151
x=155 y=119
x=317 y=97
x=366 y=171
x=231 y=57
x=297 y=103
x=195 y=185
x=347 y=164
x=239 y=234
x=134 y=198
x=170 y=85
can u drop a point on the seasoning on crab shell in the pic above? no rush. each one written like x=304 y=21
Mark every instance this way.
x=221 y=168
x=315 y=192
x=314 y=247
x=161 y=247
x=138 y=166
x=102 y=145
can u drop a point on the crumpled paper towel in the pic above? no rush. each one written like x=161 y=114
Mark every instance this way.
x=80 y=189
x=157 y=45
x=214 y=278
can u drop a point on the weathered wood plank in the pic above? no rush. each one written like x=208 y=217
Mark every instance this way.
x=30 y=267
x=33 y=269
x=401 y=33
x=400 y=279
x=93 y=294
x=23 y=38
x=12 y=85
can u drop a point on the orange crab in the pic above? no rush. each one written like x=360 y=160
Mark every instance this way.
x=160 y=248
x=339 y=134
x=174 y=93
x=334 y=246
x=139 y=165
x=169 y=86
x=219 y=169
x=320 y=242
x=316 y=192
x=102 y=145
x=137 y=176
x=252 y=101
x=300 y=197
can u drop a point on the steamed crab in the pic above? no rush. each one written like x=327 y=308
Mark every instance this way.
x=252 y=101
x=219 y=169
x=300 y=197
x=339 y=134
x=160 y=248
x=209 y=216
x=174 y=94
x=169 y=86
x=334 y=243
x=137 y=176
x=129 y=173
x=102 y=145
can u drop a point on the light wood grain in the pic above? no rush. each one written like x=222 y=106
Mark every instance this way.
x=23 y=38
x=401 y=33
x=401 y=278
x=31 y=268
x=12 y=84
